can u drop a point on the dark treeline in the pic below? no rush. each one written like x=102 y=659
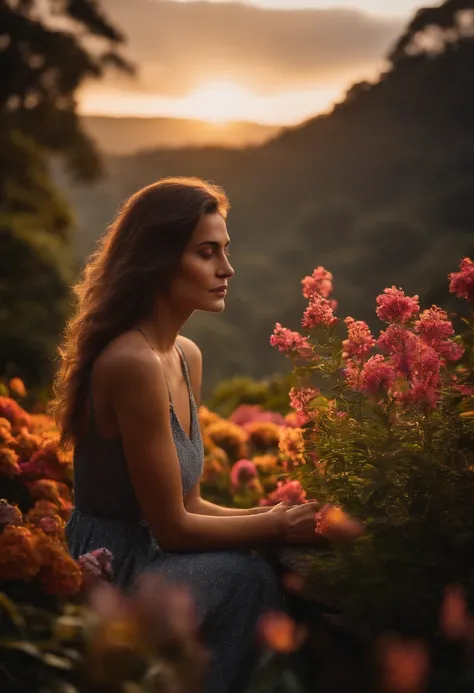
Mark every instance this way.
x=380 y=192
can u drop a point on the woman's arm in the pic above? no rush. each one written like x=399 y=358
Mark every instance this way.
x=137 y=390
x=194 y=503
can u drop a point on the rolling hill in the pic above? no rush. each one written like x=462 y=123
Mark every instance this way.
x=129 y=135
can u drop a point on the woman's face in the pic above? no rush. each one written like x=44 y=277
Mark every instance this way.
x=201 y=283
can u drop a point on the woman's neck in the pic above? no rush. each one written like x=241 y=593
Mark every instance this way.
x=163 y=325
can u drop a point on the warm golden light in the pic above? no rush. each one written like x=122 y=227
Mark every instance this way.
x=219 y=101
x=215 y=101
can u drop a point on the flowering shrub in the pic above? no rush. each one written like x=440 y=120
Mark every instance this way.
x=386 y=424
x=50 y=636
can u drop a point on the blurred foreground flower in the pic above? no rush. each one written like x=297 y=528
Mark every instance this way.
x=334 y=524
x=149 y=637
x=278 y=632
x=404 y=665
x=455 y=621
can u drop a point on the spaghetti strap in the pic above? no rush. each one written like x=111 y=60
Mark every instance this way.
x=160 y=360
x=184 y=365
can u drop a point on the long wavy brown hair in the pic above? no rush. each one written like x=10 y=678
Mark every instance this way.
x=135 y=259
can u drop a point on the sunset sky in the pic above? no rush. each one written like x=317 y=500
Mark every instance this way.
x=267 y=61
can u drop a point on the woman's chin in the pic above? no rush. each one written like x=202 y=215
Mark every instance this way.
x=215 y=306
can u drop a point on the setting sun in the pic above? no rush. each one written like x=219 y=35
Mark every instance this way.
x=215 y=101
x=218 y=101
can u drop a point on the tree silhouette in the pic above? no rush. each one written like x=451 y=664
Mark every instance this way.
x=47 y=50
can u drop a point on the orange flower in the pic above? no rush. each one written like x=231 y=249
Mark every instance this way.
x=6 y=437
x=50 y=461
x=229 y=437
x=17 y=387
x=8 y=462
x=292 y=419
x=42 y=423
x=54 y=491
x=265 y=463
x=19 y=556
x=26 y=444
x=280 y=633
x=207 y=417
x=51 y=523
x=216 y=464
x=11 y=410
x=291 y=445
x=60 y=574
x=41 y=508
x=263 y=434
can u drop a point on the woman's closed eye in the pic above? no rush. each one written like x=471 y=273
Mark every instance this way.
x=208 y=254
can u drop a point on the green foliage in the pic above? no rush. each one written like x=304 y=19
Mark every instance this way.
x=41 y=68
x=271 y=394
x=35 y=272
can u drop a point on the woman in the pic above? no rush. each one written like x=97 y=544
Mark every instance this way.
x=127 y=393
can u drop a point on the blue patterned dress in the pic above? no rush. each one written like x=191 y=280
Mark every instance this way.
x=231 y=588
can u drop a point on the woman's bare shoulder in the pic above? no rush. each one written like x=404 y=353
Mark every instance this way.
x=126 y=357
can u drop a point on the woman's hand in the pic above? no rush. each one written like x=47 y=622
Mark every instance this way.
x=280 y=507
x=300 y=523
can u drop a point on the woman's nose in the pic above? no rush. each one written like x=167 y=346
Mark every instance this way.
x=227 y=270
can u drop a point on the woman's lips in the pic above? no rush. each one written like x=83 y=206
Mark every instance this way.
x=220 y=290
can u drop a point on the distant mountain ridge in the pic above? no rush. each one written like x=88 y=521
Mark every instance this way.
x=128 y=135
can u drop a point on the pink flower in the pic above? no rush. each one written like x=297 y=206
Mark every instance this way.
x=436 y=330
x=320 y=282
x=9 y=514
x=401 y=344
x=359 y=341
x=466 y=390
x=318 y=313
x=375 y=376
x=417 y=361
x=245 y=413
x=242 y=473
x=423 y=377
x=394 y=306
x=96 y=565
x=290 y=491
x=287 y=341
x=300 y=399
x=462 y=283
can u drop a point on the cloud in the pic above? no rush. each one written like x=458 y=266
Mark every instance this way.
x=177 y=45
